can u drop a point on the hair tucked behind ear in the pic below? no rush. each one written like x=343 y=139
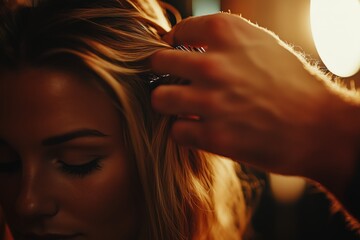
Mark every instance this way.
x=188 y=194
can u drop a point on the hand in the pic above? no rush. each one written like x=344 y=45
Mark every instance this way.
x=256 y=101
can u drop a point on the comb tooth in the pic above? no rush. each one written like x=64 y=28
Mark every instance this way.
x=190 y=48
x=181 y=47
x=184 y=48
x=201 y=49
x=187 y=48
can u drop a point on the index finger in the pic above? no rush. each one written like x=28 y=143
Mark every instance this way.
x=202 y=69
x=209 y=30
x=186 y=65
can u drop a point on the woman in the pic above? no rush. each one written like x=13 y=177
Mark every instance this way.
x=83 y=156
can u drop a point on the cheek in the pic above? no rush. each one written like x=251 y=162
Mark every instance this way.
x=9 y=190
x=110 y=197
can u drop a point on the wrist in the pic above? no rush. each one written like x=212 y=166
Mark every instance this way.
x=340 y=144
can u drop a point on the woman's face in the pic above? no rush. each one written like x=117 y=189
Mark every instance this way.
x=64 y=172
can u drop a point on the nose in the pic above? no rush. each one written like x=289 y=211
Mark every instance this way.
x=35 y=199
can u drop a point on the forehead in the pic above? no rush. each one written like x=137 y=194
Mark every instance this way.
x=43 y=102
x=39 y=89
x=31 y=81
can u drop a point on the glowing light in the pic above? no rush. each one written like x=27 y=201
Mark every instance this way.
x=204 y=7
x=335 y=26
x=287 y=189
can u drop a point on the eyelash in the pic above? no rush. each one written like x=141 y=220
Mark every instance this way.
x=74 y=170
x=83 y=169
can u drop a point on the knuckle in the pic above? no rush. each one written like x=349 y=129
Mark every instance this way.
x=207 y=106
x=218 y=22
x=211 y=104
x=180 y=96
x=217 y=25
x=209 y=67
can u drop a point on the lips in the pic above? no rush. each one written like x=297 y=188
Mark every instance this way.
x=50 y=237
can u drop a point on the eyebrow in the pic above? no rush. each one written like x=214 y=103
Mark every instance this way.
x=81 y=133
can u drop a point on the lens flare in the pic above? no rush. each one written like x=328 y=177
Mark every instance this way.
x=335 y=26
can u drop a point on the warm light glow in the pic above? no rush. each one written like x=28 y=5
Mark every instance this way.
x=287 y=189
x=335 y=27
x=204 y=7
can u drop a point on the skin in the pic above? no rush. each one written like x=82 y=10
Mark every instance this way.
x=256 y=101
x=39 y=197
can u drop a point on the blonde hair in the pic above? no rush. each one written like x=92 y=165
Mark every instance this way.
x=189 y=194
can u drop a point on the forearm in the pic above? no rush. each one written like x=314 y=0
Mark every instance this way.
x=341 y=167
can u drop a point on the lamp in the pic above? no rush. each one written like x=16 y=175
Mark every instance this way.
x=335 y=26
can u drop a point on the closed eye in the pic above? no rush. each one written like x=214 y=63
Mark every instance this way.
x=82 y=170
